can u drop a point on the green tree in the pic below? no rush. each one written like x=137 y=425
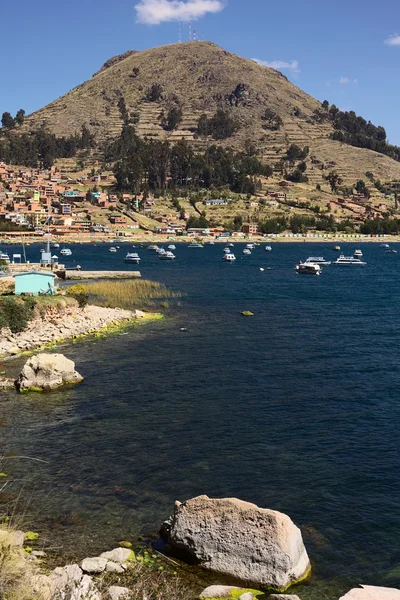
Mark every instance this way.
x=334 y=180
x=20 y=117
x=154 y=93
x=7 y=121
x=173 y=119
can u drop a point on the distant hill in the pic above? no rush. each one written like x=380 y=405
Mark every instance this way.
x=197 y=78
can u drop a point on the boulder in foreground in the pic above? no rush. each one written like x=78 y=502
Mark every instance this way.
x=258 y=546
x=369 y=592
x=47 y=372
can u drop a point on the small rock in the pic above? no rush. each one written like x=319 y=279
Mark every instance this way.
x=116 y=592
x=85 y=590
x=282 y=597
x=369 y=592
x=113 y=567
x=218 y=591
x=118 y=555
x=12 y=538
x=94 y=565
x=38 y=553
x=247 y=596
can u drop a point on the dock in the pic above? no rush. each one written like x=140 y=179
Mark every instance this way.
x=79 y=274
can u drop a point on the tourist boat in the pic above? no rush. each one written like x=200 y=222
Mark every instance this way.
x=385 y=246
x=66 y=252
x=250 y=246
x=167 y=256
x=195 y=245
x=246 y=251
x=357 y=254
x=4 y=257
x=132 y=257
x=229 y=257
x=337 y=248
x=308 y=269
x=112 y=249
x=171 y=247
x=348 y=260
x=152 y=247
x=316 y=260
x=268 y=248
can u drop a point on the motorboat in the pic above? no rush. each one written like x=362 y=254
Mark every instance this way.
x=56 y=245
x=211 y=243
x=348 y=260
x=171 y=247
x=316 y=260
x=4 y=257
x=167 y=256
x=231 y=245
x=391 y=251
x=112 y=249
x=229 y=257
x=385 y=246
x=337 y=248
x=246 y=251
x=227 y=250
x=268 y=248
x=357 y=254
x=152 y=247
x=195 y=245
x=250 y=246
x=308 y=269
x=66 y=251
x=132 y=257
x=160 y=251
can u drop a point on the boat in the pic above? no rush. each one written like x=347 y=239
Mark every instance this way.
x=132 y=257
x=112 y=249
x=348 y=260
x=231 y=245
x=227 y=250
x=195 y=245
x=385 y=246
x=66 y=251
x=152 y=247
x=250 y=246
x=246 y=251
x=391 y=251
x=229 y=257
x=160 y=251
x=171 y=247
x=211 y=243
x=56 y=245
x=316 y=260
x=167 y=256
x=337 y=248
x=308 y=269
x=268 y=248
x=358 y=253
x=4 y=257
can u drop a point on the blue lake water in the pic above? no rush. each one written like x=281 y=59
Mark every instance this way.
x=296 y=409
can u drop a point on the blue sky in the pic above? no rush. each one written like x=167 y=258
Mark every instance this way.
x=347 y=52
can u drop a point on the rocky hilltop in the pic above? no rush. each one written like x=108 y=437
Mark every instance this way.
x=198 y=78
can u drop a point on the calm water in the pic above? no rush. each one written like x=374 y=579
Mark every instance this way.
x=295 y=409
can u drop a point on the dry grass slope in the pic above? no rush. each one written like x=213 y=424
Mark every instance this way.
x=200 y=76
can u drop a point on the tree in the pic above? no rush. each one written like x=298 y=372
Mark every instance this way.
x=325 y=105
x=20 y=117
x=302 y=166
x=334 y=180
x=361 y=188
x=173 y=119
x=238 y=223
x=155 y=92
x=7 y=121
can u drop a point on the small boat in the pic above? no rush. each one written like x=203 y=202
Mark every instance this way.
x=229 y=257
x=357 y=254
x=152 y=247
x=195 y=245
x=385 y=246
x=246 y=251
x=166 y=256
x=316 y=260
x=268 y=248
x=308 y=269
x=171 y=247
x=391 y=251
x=4 y=257
x=210 y=243
x=56 y=245
x=348 y=260
x=337 y=248
x=160 y=251
x=132 y=257
x=231 y=245
x=250 y=246
x=227 y=250
x=112 y=249
x=66 y=251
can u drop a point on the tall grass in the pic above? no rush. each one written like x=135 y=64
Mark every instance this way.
x=129 y=293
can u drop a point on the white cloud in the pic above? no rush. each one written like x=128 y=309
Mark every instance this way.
x=154 y=12
x=393 y=40
x=279 y=65
x=347 y=80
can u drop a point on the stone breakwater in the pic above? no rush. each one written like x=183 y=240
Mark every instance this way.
x=56 y=326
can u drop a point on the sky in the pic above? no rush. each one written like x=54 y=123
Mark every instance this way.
x=347 y=51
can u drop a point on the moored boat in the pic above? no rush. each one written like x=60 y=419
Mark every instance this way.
x=358 y=253
x=167 y=256
x=268 y=248
x=348 y=260
x=337 y=248
x=66 y=251
x=246 y=251
x=308 y=269
x=230 y=257
x=132 y=257
x=112 y=249
x=195 y=245
x=316 y=260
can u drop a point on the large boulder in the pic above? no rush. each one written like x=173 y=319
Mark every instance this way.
x=254 y=545
x=47 y=372
x=370 y=592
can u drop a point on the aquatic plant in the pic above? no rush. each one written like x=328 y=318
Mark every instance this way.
x=128 y=293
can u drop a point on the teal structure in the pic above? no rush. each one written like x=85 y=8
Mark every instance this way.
x=34 y=282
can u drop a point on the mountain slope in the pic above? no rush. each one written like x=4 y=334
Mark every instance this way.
x=200 y=77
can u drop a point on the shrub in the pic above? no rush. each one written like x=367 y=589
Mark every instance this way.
x=16 y=313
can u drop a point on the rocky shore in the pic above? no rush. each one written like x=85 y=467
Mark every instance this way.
x=55 y=326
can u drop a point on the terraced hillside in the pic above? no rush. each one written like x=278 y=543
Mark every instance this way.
x=200 y=77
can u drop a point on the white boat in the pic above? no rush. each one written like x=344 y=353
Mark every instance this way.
x=152 y=247
x=56 y=245
x=4 y=257
x=160 y=251
x=66 y=251
x=112 y=249
x=308 y=269
x=357 y=254
x=211 y=243
x=171 y=247
x=268 y=248
x=316 y=260
x=246 y=251
x=167 y=256
x=231 y=245
x=132 y=257
x=195 y=245
x=229 y=257
x=348 y=260
x=250 y=246
x=227 y=250
x=391 y=251
x=385 y=246
x=337 y=248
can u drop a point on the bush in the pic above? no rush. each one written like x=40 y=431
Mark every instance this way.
x=79 y=292
x=16 y=313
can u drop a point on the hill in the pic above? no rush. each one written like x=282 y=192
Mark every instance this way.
x=197 y=78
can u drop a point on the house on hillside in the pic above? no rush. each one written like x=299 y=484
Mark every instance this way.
x=250 y=229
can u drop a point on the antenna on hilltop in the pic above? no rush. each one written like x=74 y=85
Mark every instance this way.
x=190 y=31
x=195 y=35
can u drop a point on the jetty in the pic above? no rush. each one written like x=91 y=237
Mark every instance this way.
x=79 y=274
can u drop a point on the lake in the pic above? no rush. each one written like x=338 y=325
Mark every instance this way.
x=295 y=409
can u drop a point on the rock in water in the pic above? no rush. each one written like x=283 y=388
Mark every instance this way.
x=47 y=372
x=255 y=545
x=369 y=592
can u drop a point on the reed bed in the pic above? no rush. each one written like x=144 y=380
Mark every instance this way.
x=130 y=293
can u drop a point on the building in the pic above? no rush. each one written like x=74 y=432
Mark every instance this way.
x=34 y=282
x=215 y=202
x=250 y=229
